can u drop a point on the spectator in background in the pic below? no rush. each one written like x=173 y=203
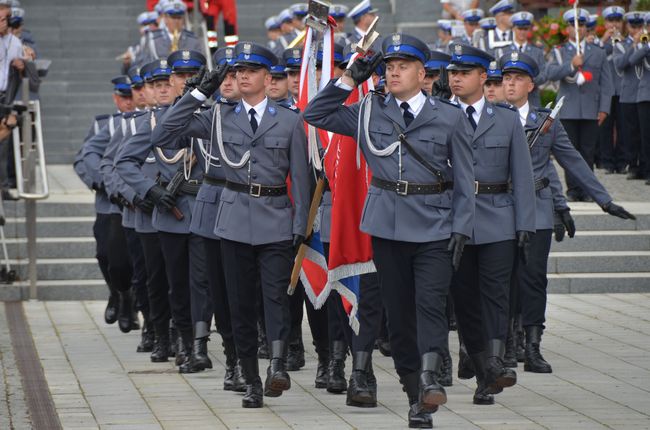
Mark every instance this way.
x=454 y=8
x=16 y=23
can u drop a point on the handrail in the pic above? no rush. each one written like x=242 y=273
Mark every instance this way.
x=28 y=154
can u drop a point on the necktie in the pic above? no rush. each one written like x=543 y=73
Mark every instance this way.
x=470 y=115
x=505 y=36
x=521 y=48
x=408 y=116
x=253 y=120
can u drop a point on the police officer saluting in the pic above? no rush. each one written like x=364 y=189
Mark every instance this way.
x=518 y=75
x=505 y=217
x=260 y=143
x=411 y=211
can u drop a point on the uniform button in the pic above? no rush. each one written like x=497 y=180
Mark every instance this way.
x=254 y=160
x=253 y=144
x=254 y=176
x=403 y=169
x=474 y=146
x=475 y=162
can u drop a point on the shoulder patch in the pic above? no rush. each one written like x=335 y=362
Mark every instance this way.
x=102 y=117
x=292 y=108
x=445 y=101
x=506 y=106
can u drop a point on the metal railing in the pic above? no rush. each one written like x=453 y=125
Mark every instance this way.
x=31 y=175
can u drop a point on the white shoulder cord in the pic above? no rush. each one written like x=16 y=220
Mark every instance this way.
x=216 y=120
x=111 y=126
x=187 y=161
x=207 y=156
x=96 y=127
x=386 y=152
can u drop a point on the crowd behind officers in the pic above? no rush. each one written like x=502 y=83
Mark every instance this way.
x=190 y=178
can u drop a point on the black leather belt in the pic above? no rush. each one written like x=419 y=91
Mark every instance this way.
x=491 y=188
x=190 y=187
x=404 y=188
x=214 y=181
x=540 y=184
x=258 y=190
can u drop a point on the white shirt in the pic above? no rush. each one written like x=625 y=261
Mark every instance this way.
x=259 y=109
x=523 y=113
x=478 y=108
x=503 y=35
x=415 y=103
x=520 y=48
x=10 y=48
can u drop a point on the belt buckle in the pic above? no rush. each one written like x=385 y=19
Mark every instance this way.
x=255 y=190
x=402 y=188
x=193 y=181
x=475 y=187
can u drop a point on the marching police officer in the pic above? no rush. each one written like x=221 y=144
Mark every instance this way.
x=502 y=12
x=504 y=220
x=471 y=18
x=640 y=58
x=412 y=251
x=362 y=15
x=586 y=81
x=260 y=144
x=518 y=76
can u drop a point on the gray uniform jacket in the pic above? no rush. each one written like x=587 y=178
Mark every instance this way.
x=501 y=155
x=640 y=59
x=538 y=55
x=91 y=155
x=102 y=204
x=138 y=172
x=616 y=74
x=557 y=143
x=206 y=206
x=630 y=81
x=159 y=45
x=585 y=101
x=277 y=149
x=441 y=133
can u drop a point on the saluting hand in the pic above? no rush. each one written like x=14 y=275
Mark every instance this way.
x=362 y=68
x=212 y=80
x=194 y=81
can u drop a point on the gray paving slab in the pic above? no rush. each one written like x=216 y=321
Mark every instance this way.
x=597 y=343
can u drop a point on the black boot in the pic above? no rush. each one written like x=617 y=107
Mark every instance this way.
x=173 y=338
x=446 y=371
x=323 y=353
x=135 y=321
x=147 y=337
x=112 y=307
x=253 y=396
x=296 y=356
x=497 y=376
x=465 y=366
x=233 y=380
x=418 y=419
x=179 y=348
x=534 y=361
x=359 y=393
x=187 y=343
x=200 y=360
x=161 y=347
x=372 y=381
x=262 y=345
x=481 y=395
x=336 y=382
x=277 y=378
x=510 y=356
x=519 y=339
x=432 y=394
x=124 y=315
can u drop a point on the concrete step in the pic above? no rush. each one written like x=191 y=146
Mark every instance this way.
x=54 y=247
x=631 y=282
x=614 y=240
x=598 y=220
x=68 y=226
x=599 y=262
x=59 y=268
x=49 y=208
x=81 y=289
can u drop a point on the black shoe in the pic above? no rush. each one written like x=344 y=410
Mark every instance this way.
x=125 y=313
x=359 y=392
x=233 y=379
x=418 y=418
x=445 y=377
x=384 y=347
x=465 y=366
x=635 y=175
x=296 y=354
x=497 y=376
x=185 y=351
x=321 y=373
x=262 y=345
x=253 y=397
x=179 y=357
x=336 y=382
x=147 y=338
x=510 y=356
x=482 y=395
x=277 y=378
x=112 y=308
x=534 y=361
x=200 y=359
x=160 y=352
x=431 y=394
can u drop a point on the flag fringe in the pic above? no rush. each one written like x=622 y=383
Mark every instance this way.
x=352 y=298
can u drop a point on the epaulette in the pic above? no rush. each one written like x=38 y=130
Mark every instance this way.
x=292 y=108
x=102 y=117
x=140 y=113
x=506 y=106
x=115 y=115
x=225 y=101
x=448 y=102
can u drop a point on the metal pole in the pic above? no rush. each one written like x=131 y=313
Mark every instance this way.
x=29 y=162
x=196 y=21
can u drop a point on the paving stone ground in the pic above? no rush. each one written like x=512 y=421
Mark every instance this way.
x=599 y=346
